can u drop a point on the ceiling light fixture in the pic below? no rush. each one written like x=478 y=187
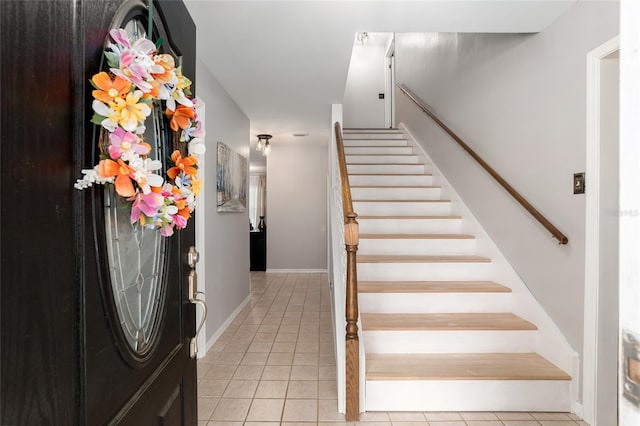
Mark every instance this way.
x=263 y=144
x=362 y=37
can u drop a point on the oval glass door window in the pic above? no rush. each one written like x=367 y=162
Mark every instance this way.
x=137 y=255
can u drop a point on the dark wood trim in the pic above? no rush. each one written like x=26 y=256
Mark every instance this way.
x=555 y=232
x=351 y=239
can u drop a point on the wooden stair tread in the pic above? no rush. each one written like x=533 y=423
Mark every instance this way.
x=431 y=287
x=417 y=236
x=380 y=155
x=385 y=164
x=410 y=217
x=378 y=146
x=390 y=174
x=375 y=139
x=401 y=201
x=369 y=130
x=489 y=366
x=444 y=322
x=396 y=186
x=381 y=258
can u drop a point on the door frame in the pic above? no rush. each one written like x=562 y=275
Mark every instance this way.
x=629 y=415
x=201 y=232
x=592 y=230
x=389 y=83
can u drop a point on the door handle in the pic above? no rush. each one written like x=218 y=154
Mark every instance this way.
x=194 y=298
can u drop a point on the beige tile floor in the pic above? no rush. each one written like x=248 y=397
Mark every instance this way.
x=275 y=365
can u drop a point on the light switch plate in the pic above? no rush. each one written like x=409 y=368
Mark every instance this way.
x=578 y=183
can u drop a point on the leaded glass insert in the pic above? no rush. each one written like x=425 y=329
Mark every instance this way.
x=136 y=255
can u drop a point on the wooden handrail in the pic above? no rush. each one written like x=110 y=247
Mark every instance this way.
x=351 y=239
x=555 y=232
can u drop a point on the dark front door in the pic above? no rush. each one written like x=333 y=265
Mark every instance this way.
x=96 y=318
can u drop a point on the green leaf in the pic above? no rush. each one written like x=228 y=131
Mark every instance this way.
x=159 y=42
x=93 y=84
x=97 y=119
x=112 y=59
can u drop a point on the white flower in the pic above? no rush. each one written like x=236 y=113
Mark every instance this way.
x=197 y=147
x=144 y=174
x=90 y=177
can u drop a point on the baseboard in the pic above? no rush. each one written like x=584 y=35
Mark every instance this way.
x=296 y=271
x=577 y=409
x=223 y=327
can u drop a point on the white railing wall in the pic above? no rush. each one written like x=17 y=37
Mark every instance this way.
x=337 y=259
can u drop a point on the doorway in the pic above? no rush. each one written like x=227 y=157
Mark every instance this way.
x=600 y=371
x=390 y=83
x=257 y=221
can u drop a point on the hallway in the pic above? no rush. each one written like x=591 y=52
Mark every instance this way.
x=275 y=364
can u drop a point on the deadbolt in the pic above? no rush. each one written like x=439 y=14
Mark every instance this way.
x=193 y=257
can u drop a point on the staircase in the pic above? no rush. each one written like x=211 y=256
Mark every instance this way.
x=439 y=333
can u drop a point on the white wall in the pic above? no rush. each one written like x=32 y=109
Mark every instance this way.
x=297 y=207
x=519 y=101
x=361 y=106
x=226 y=260
x=629 y=194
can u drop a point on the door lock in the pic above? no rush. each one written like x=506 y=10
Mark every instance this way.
x=194 y=297
x=193 y=257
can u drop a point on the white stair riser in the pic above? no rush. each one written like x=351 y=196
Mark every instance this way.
x=391 y=180
x=375 y=142
x=408 y=226
x=367 y=150
x=434 y=302
x=390 y=135
x=449 y=341
x=424 y=271
x=417 y=246
x=374 y=193
x=399 y=208
x=366 y=131
x=430 y=303
x=386 y=168
x=389 y=159
x=462 y=395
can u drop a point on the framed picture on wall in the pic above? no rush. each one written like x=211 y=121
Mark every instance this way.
x=231 y=179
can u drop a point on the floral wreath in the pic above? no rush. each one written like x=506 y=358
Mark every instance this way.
x=123 y=99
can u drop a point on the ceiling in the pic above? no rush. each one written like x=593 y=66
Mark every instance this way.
x=286 y=62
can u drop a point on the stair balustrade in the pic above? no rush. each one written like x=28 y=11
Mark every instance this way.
x=555 y=232
x=345 y=234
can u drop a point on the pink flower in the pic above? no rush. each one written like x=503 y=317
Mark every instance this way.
x=120 y=36
x=167 y=230
x=145 y=205
x=124 y=142
x=179 y=221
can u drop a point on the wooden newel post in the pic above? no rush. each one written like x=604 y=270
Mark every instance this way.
x=352 y=344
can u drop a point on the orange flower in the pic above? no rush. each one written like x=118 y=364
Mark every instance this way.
x=109 y=90
x=186 y=213
x=154 y=92
x=123 y=174
x=185 y=165
x=181 y=117
x=168 y=63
